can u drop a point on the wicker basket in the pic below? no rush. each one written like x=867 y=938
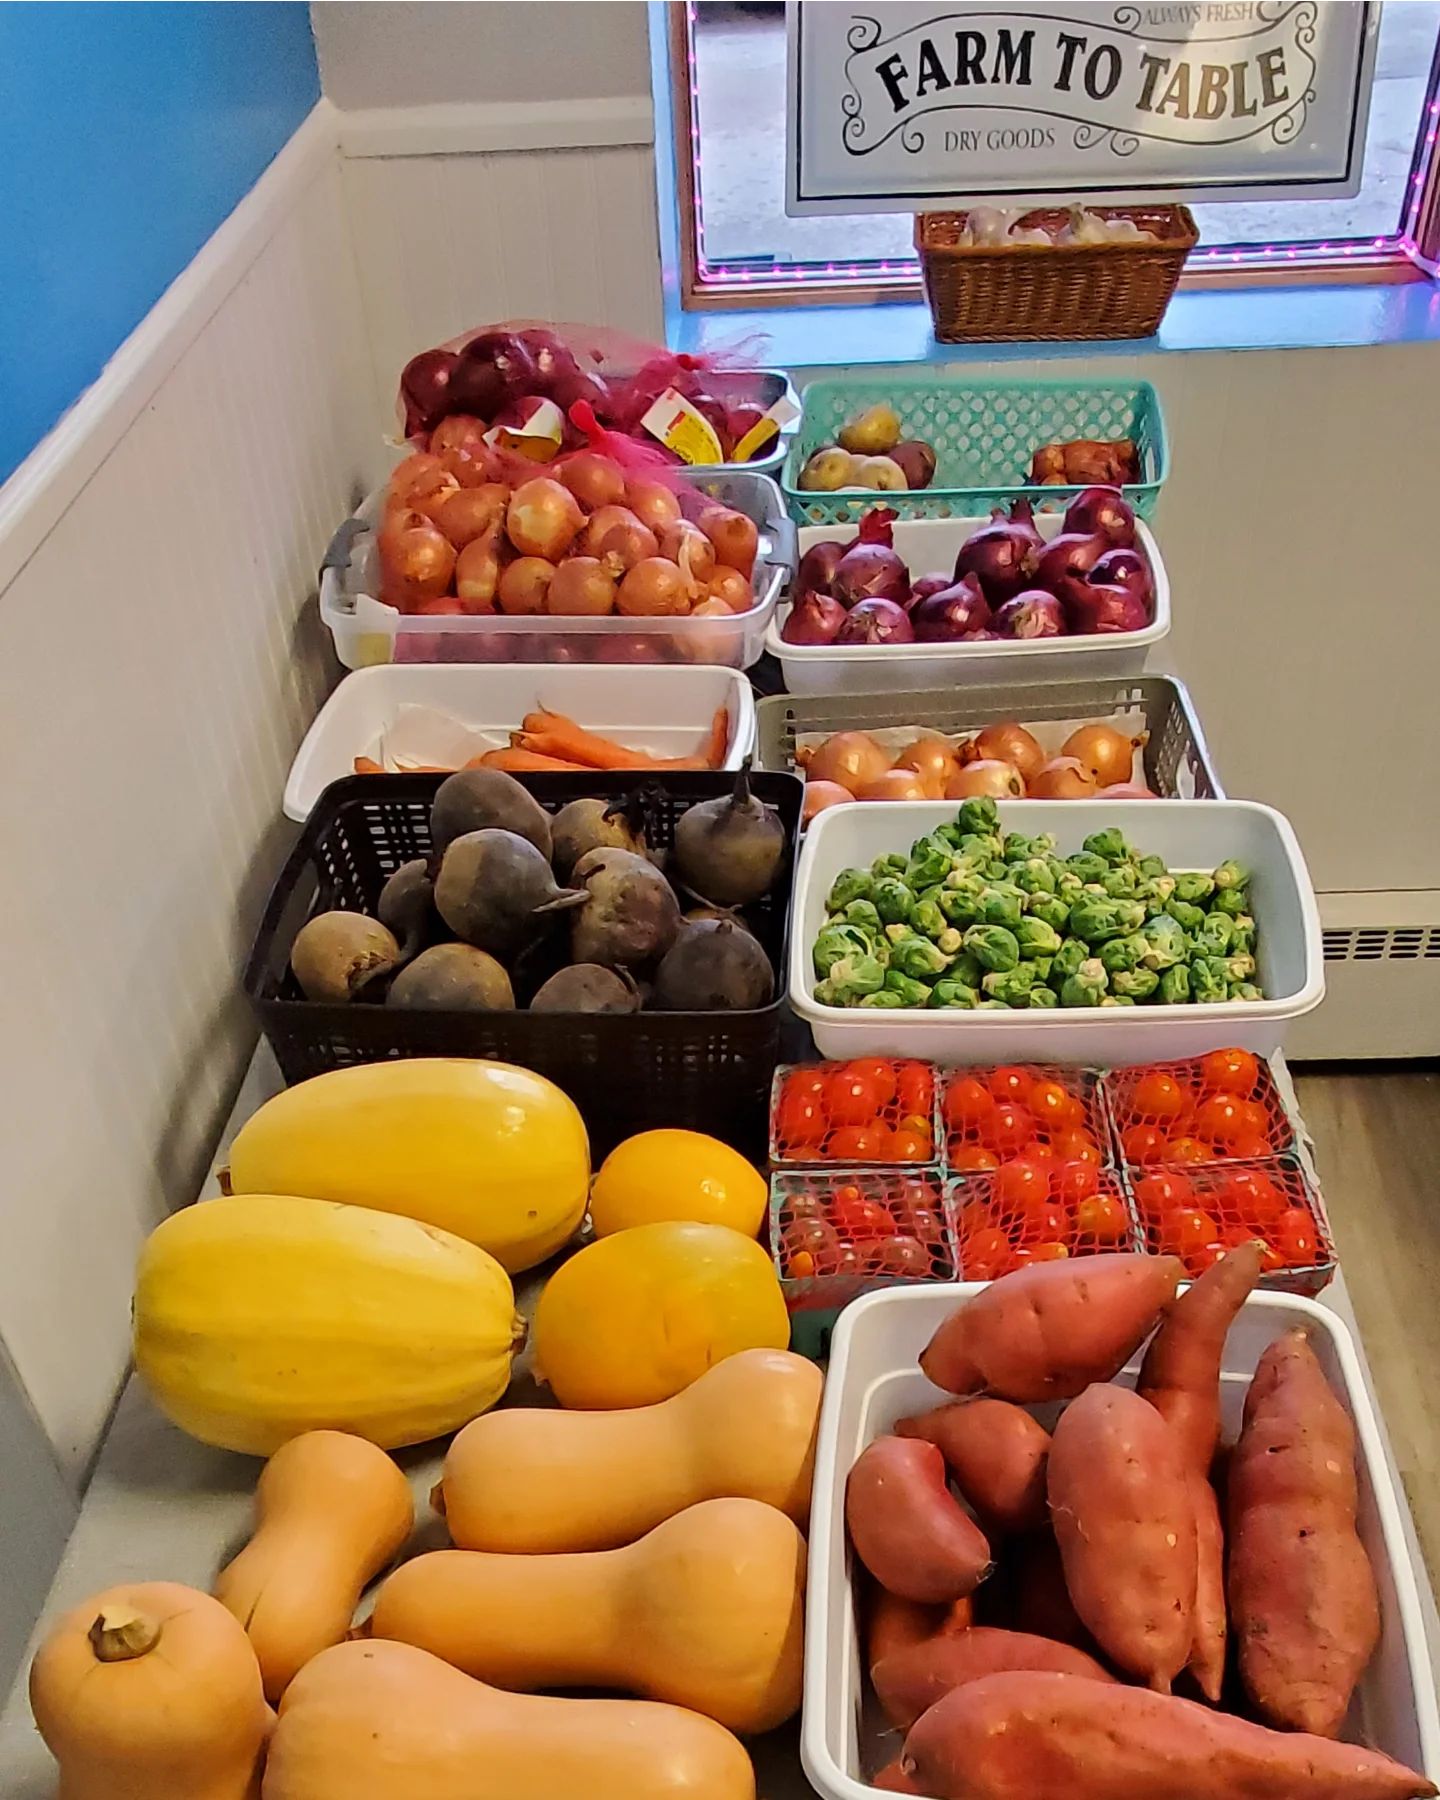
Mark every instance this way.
x=992 y=293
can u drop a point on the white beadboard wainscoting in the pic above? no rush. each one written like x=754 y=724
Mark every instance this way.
x=161 y=660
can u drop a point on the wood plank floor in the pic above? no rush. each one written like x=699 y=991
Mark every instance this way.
x=1377 y=1149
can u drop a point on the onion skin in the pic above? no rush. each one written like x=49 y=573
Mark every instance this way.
x=1108 y=754
x=895 y=784
x=870 y=572
x=654 y=588
x=425 y=389
x=817 y=568
x=1004 y=555
x=543 y=518
x=816 y=619
x=851 y=759
x=1104 y=510
x=582 y=587
x=1094 y=609
x=1128 y=790
x=593 y=479
x=934 y=760
x=1033 y=614
x=819 y=795
x=1066 y=562
x=732 y=588
x=1126 y=569
x=999 y=780
x=417 y=560
x=1063 y=778
x=876 y=622
x=735 y=535
x=927 y=585
x=1009 y=743
x=944 y=618
x=470 y=513
x=652 y=503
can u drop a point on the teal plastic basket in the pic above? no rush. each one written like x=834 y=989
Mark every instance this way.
x=984 y=434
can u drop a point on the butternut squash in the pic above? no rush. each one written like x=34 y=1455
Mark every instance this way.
x=150 y=1692
x=530 y=1480
x=261 y=1317
x=383 y=1721
x=706 y=1611
x=492 y=1153
x=331 y=1511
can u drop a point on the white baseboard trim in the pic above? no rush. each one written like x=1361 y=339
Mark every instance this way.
x=38 y=493
x=469 y=129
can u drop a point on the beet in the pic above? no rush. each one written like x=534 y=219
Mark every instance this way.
x=479 y=799
x=715 y=965
x=630 y=914
x=453 y=978
x=494 y=890
x=728 y=851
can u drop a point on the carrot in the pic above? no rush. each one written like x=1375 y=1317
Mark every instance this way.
x=367 y=765
x=553 y=734
x=521 y=760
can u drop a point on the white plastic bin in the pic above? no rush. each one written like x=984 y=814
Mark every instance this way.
x=929 y=546
x=661 y=711
x=1189 y=834
x=875 y=1379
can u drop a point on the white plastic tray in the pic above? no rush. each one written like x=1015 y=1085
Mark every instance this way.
x=662 y=711
x=874 y=1379
x=929 y=546
x=1189 y=834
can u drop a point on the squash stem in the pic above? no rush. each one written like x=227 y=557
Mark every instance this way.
x=121 y=1634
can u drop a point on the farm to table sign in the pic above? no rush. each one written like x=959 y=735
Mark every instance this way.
x=894 y=107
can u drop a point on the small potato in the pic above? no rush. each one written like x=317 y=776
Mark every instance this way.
x=996 y=1453
x=907 y=1529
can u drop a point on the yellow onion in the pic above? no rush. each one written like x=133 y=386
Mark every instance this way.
x=821 y=794
x=895 y=784
x=852 y=758
x=1107 y=753
x=933 y=759
x=1007 y=742
x=1063 y=778
x=1000 y=780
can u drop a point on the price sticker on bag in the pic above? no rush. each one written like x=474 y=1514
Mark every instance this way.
x=683 y=429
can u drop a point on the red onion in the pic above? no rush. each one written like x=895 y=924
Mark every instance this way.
x=424 y=389
x=927 y=585
x=1094 y=608
x=489 y=371
x=876 y=621
x=1067 y=562
x=1124 y=568
x=981 y=637
x=1033 y=614
x=870 y=572
x=945 y=617
x=1004 y=554
x=1101 y=509
x=814 y=619
x=1022 y=517
x=817 y=568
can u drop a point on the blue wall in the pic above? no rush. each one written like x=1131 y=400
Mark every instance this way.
x=127 y=134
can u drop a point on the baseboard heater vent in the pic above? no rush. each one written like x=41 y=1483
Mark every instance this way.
x=1368 y=943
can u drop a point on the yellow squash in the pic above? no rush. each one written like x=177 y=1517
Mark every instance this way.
x=659 y=1175
x=496 y=1154
x=263 y=1316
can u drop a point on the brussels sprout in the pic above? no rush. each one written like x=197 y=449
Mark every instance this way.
x=1232 y=901
x=1164 y=886
x=1215 y=935
x=1175 y=986
x=1246 y=990
x=891 y=863
x=850 y=980
x=1240 y=968
x=978 y=847
x=1052 y=909
x=966 y=968
x=1087 y=985
x=1145 y=890
x=848 y=885
x=1122 y=882
x=959 y=905
x=992 y=1006
x=862 y=915
x=1069 y=886
x=1044 y=843
x=1042 y=965
x=1166 y=941
x=1011 y=985
x=1116 y=1000
x=916 y=956
x=1068 y=958
x=948 y=992
x=1096 y=919
x=893 y=900
x=884 y=1001
x=928 y=917
x=1002 y=905
x=1208 y=983
x=1109 y=844
x=980 y=814
x=993 y=945
x=1242 y=931
x=834 y=942
x=948 y=834
x=1186 y=916
x=1016 y=846
x=1034 y=876
x=1194 y=887
x=929 y=863
x=1134 y=984
x=1123 y=953
x=1036 y=938
x=964 y=879
x=996 y=870
x=1152 y=866
x=1043 y=996
x=1086 y=866
x=911 y=992
x=1231 y=875
x=950 y=941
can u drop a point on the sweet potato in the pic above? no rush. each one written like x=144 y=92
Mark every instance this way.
x=996 y=1454
x=1047 y=1331
x=893 y=1779
x=1180 y=1375
x=907 y=1528
x=1303 y=1604
x=893 y=1624
x=1124 y=1519
x=1041 y=1600
x=1207 y=1651
x=1020 y=1736
x=911 y=1681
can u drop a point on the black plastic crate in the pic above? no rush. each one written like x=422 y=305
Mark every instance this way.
x=709 y=1071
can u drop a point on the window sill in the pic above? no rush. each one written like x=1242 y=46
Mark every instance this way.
x=1277 y=318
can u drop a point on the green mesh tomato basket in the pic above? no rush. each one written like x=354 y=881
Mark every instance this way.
x=984 y=434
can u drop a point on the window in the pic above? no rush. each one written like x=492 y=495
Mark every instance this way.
x=739 y=248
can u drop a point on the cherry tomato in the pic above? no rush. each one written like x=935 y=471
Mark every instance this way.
x=911 y=1200
x=809 y=1082
x=1229 y=1072
x=1198 y=1261
x=1041 y=1221
x=919 y=1222
x=985 y=1256
x=878 y=1074
x=1233 y=1236
x=1036 y=1253
x=1055 y=1107
x=1143 y=1145
x=1009 y=1128
x=1224 y=1120
x=1187 y=1230
x=897 y=1256
x=804 y=1206
x=968 y=1158
x=1254 y=1195
x=1038 y=1151
x=968 y=1106
x=1102 y=1219
x=1159 y=1096
x=805 y=1243
x=1018 y=1182
x=1254 y=1120
x=1009 y=1083
x=1187 y=1150
x=975 y=1217
x=854 y=1217
x=1073 y=1182
x=1296 y=1239
x=1157 y=1195
x=1076 y=1146
x=909 y=1142
x=858 y=1143
x=850 y=1099
x=914 y=1088
x=800 y=1121
x=1246 y=1149
x=843 y=1259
